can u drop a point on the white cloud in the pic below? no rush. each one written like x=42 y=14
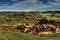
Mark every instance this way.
x=30 y=5
x=57 y=0
x=13 y=0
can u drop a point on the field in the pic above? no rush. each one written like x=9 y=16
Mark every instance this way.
x=19 y=36
x=24 y=36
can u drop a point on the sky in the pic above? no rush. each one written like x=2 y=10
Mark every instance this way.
x=29 y=5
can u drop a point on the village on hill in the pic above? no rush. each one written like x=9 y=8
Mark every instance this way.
x=36 y=23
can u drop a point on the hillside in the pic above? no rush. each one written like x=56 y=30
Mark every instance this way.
x=27 y=17
x=11 y=21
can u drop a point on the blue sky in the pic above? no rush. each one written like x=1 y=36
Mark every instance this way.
x=29 y=5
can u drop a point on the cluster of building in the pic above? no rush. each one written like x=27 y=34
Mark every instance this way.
x=42 y=27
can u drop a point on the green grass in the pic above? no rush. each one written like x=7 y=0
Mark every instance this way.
x=52 y=36
x=24 y=36
x=19 y=36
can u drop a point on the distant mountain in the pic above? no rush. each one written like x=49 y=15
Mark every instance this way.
x=30 y=12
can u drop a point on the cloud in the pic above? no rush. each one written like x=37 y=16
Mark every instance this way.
x=13 y=0
x=32 y=5
x=9 y=2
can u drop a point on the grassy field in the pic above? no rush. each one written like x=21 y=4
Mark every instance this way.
x=24 y=36
x=19 y=36
x=52 y=36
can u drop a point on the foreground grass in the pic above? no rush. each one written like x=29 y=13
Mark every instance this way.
x=24 y=36
x=19 y=36
x=52 y=36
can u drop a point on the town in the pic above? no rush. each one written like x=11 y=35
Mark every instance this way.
x=35 y=23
